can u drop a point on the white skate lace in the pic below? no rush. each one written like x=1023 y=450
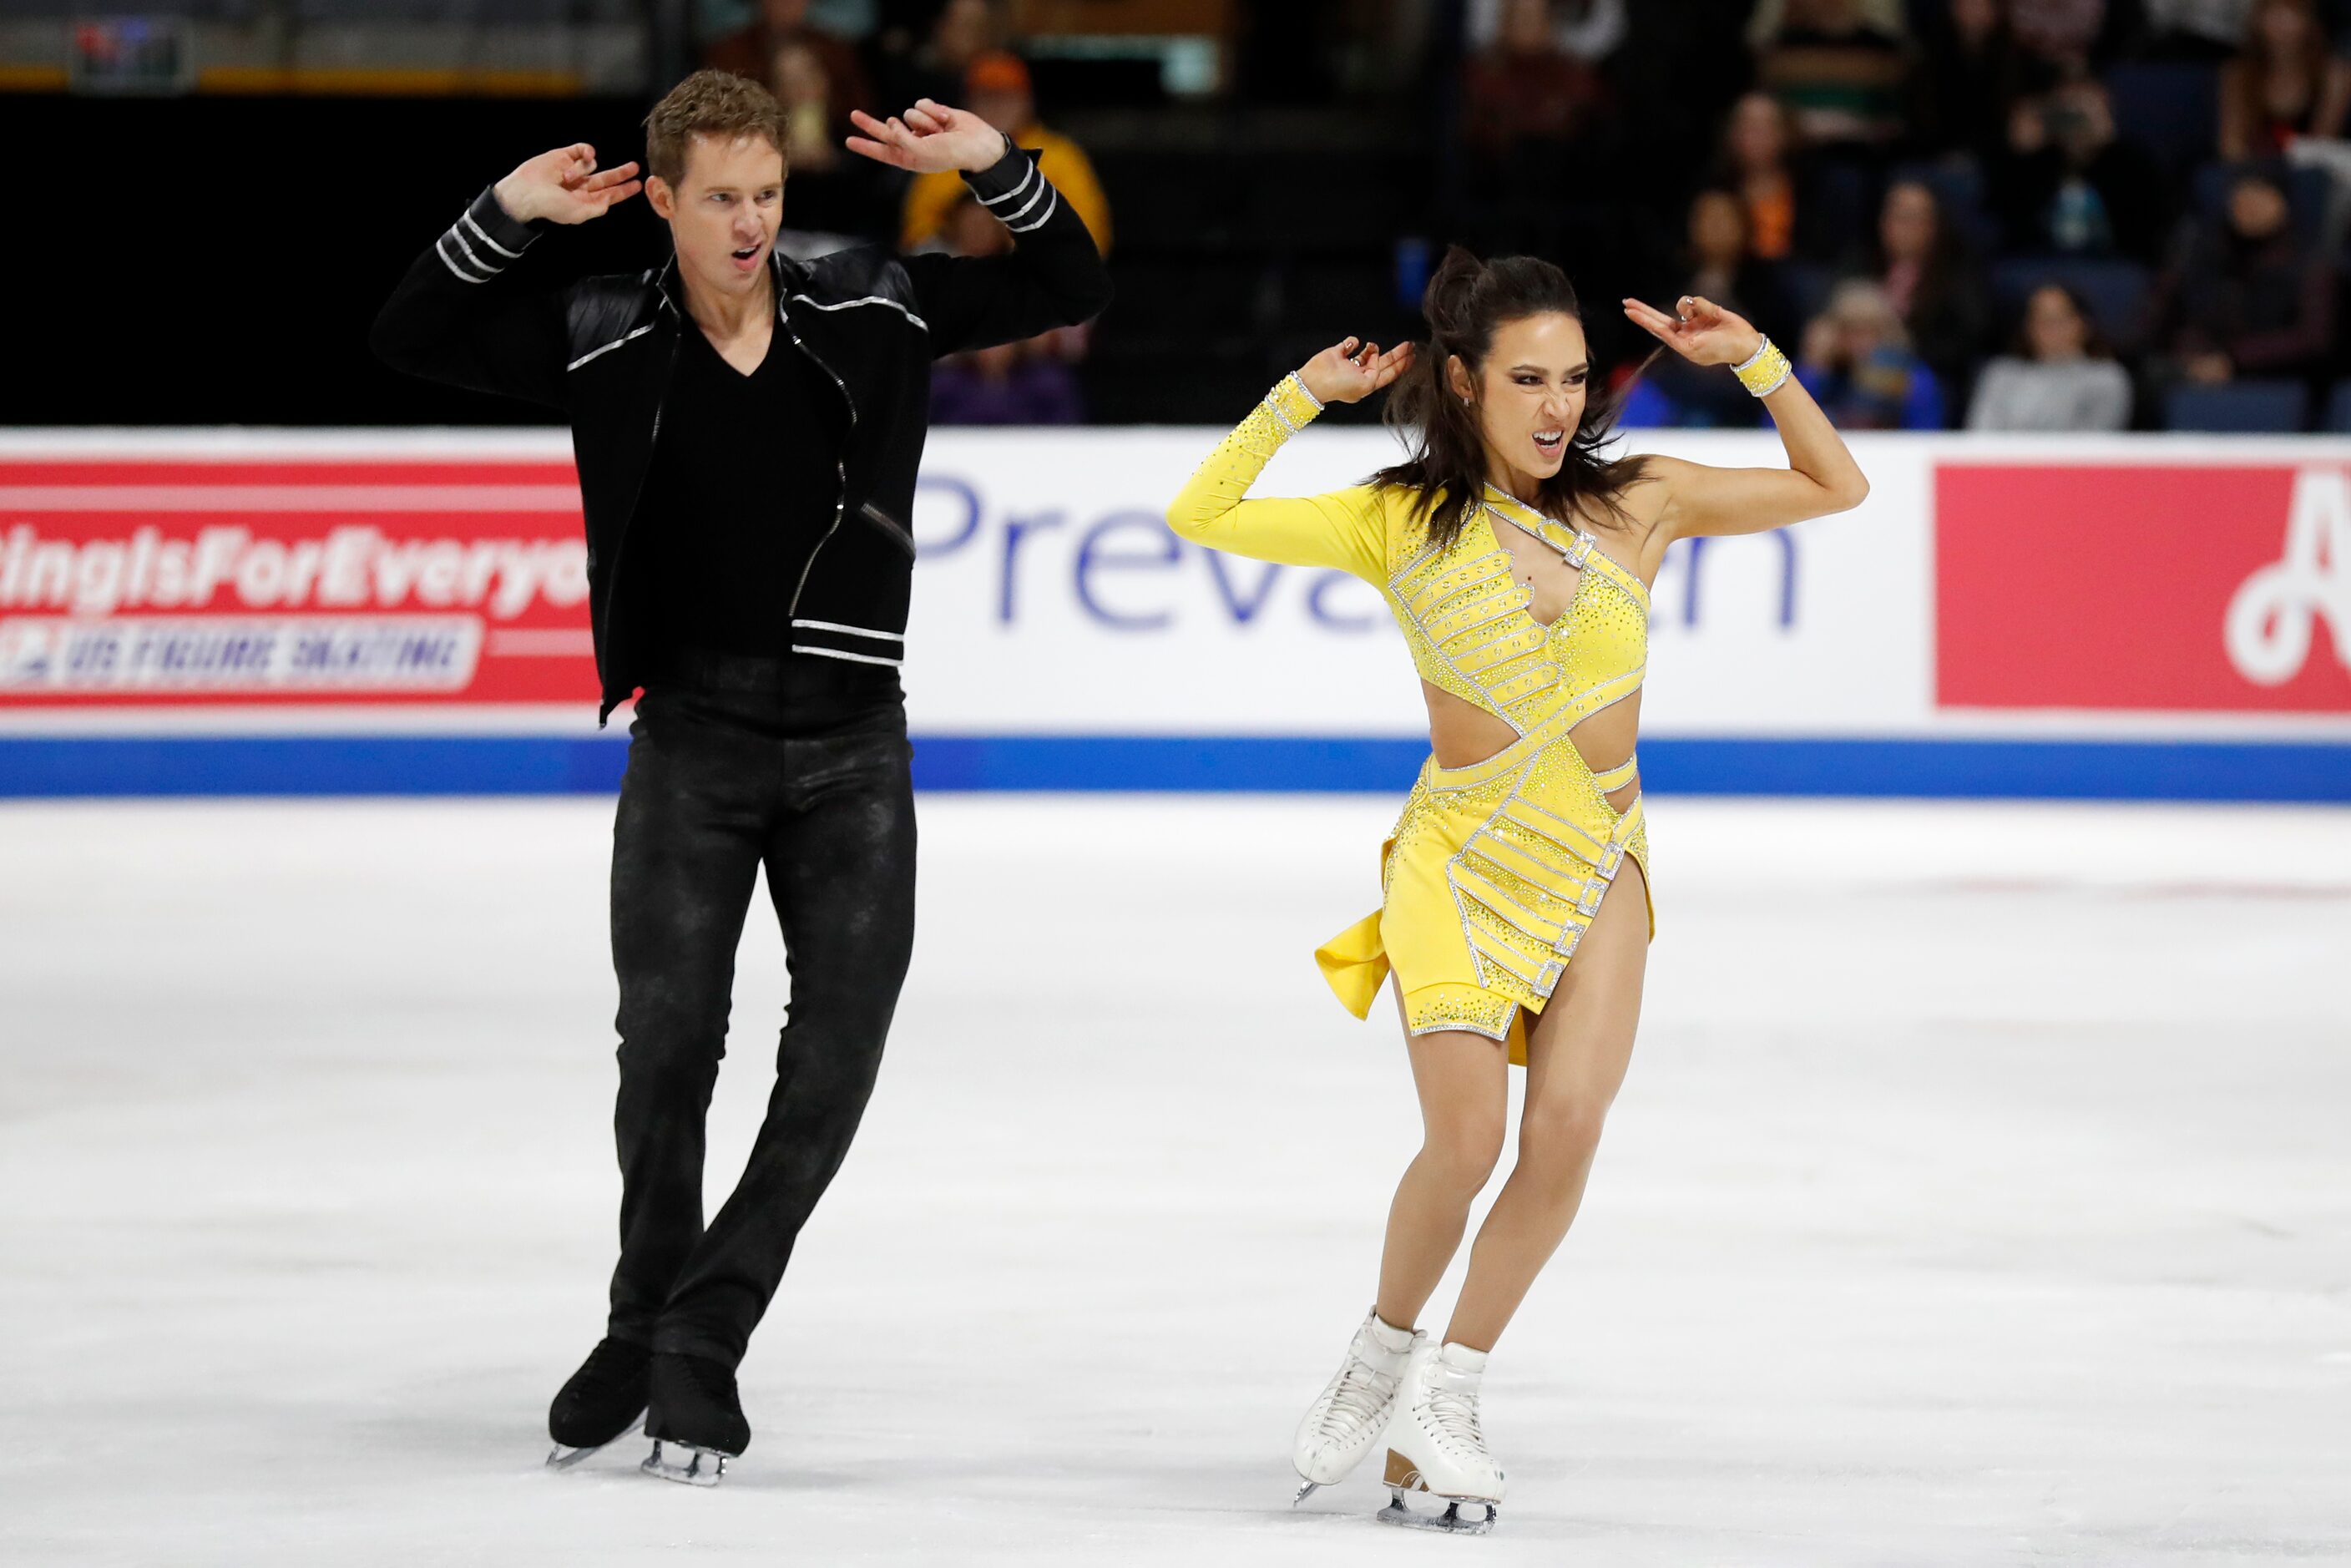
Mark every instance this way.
x=1357 y=1399
x=1454 y=1418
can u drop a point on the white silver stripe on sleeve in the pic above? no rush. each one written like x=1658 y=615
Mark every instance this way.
x=608 y=347
x=869 y=299
x=1013 y=217
x=1040 y=221
x=489 y=268
x=999 y=200
x=852 y=658
x=440 y=249
x=852 y=631
x=468 y=219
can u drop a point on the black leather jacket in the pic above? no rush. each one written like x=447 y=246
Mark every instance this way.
x=602 y=350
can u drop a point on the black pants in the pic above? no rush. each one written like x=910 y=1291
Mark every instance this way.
x=743 y=763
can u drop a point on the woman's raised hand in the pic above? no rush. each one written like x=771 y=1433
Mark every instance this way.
x=1702 y=332
x=1352 y=370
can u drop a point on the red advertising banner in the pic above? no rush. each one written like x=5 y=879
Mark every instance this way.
x=179 y=582
x=2217 y=588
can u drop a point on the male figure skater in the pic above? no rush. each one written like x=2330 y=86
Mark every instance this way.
x=748 y=430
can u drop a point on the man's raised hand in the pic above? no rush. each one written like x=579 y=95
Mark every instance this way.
x=931 y=139
x=566 y=187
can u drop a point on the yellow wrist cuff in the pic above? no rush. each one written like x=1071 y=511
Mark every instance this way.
x=1292 y=404
x=1765 y=372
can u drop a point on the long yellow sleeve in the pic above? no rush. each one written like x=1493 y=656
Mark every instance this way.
x=1344 y=529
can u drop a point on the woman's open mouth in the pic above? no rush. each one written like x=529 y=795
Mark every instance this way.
x=1549 y=442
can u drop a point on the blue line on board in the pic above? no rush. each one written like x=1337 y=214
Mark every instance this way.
x=86 y=765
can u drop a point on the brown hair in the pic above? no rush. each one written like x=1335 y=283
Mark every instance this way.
x=1467 y=302
x=708 y=103
x=2244 y=81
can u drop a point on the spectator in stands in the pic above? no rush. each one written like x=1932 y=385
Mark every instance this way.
x=782 y=28
x=1970 y=73
x=1931 y=284
x=1758 y=163
x=804 y=88
x=2247 y=297
x=2286 y=84
x=2059 y=375
x=2066 y=184
x=1586 y=30
x=997 y=88
x=1524 y=89
x=2196 y=29
x=1839 y=69
x=1857 y=364
x=2066 y=38
x=932 y=60
x=1720 y=265
x=1028 y=383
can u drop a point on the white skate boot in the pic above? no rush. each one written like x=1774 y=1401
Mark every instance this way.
x=1353 y=1412
x=1434 y=1444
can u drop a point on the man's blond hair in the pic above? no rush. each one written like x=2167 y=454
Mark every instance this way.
x=717 y=104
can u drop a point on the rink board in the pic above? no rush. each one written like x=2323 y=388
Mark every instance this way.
x=208 y=612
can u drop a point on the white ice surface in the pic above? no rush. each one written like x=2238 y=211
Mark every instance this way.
x=1981 y=1194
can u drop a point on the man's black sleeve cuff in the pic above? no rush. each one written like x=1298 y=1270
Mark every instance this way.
x=1014 y=189
x=484 y=241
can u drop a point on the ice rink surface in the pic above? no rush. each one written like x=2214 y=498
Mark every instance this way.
x=1982 y=1193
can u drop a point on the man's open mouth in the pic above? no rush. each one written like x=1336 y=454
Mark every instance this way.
x=750 y=253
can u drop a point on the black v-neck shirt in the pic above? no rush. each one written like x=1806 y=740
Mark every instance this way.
x=744 y=479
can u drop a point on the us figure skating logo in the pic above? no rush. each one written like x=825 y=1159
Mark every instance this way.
x=2274 y=614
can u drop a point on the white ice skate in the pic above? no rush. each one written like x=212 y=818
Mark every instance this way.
x=1434 y=1444
x=1348 y=1419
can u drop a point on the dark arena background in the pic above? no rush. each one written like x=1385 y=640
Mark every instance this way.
x=1980 y=1190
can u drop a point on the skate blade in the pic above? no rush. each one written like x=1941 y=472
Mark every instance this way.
x=702 y=1468
x=563 y=1459
x=1452 y=1522
x=1305 y=1491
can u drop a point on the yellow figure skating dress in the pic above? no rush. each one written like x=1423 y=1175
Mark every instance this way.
x=1495 y=870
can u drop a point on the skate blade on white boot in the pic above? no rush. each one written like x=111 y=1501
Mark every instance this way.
x=701 y=1467
x=1404 y=1476
x=563 y=1459
x=1355 y=1406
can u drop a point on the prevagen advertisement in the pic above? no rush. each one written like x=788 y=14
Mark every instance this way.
x=2120 y=616
x=1052 y=597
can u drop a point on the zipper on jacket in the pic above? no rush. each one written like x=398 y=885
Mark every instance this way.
x=840 y=465
x=889 y=525
x=620 y=545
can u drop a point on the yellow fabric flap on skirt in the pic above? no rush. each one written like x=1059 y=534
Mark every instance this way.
x=1355 y=964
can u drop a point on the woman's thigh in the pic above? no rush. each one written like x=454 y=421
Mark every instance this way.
x=1462 y=1079
x=1579 y=1048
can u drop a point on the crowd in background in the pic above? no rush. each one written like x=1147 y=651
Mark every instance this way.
x=2000 y=215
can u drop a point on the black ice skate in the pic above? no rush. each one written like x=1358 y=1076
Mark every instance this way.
x=602 y=1404
x=695 y=1409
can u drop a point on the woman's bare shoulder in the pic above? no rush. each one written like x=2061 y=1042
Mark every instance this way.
x=1645 y=496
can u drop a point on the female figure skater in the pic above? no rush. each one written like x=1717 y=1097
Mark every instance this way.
x=1518 y=560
